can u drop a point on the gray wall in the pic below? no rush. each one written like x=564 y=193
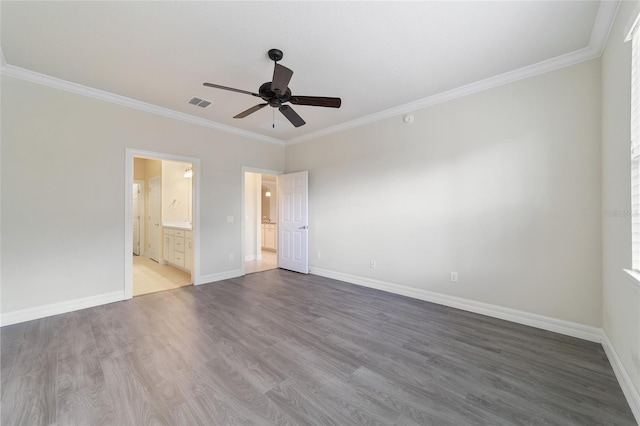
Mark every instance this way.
x=502 y=186
x=63 y=200
x=621 y=293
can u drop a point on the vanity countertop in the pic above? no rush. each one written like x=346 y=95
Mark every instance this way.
x=178 y=225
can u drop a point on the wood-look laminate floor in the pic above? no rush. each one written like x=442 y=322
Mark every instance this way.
x=286 y=349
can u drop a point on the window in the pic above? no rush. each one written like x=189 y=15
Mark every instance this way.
x=635 y=150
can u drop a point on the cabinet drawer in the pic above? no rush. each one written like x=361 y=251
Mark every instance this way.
x=179 y=233
x=188 y=234
x=168 y=231
x=178 y=244
x=179 y=259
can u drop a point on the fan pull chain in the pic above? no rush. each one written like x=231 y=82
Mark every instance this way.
x=273 y=125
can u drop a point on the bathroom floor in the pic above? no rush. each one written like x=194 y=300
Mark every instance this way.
x=269 y=261
x=150 y=276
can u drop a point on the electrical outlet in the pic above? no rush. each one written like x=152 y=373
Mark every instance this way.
x=318 y=255
x=372 y=264
x=230 y=256
x=229 y=219
x=454 y=277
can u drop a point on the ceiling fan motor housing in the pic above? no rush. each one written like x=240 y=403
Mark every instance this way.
x=271 y=97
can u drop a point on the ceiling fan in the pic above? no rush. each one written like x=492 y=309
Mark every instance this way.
x=276 y=93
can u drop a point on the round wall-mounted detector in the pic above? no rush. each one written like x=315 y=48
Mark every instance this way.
x=408 y=118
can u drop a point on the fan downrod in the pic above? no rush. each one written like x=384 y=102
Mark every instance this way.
x=275 y=54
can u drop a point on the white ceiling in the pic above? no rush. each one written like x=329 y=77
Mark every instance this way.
x=380 y=57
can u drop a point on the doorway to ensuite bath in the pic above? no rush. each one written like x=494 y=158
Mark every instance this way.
x=162 y=259
x=260 y=222
x=161 y=244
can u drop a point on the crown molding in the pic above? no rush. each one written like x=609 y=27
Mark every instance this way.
x=559 y=62
x=45 y=80
x=603 y=23
x=599 y=35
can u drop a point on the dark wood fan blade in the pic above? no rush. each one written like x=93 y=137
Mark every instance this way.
x=316 y=101
x=281 y=77
x=217 y=86
x=251 y=110
x=291 y=115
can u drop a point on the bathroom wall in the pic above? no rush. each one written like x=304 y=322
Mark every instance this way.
x=139 y=168
x=270 y=204
x=144 y=169
x=176 y=192
x=152 y=168
x=252 y=210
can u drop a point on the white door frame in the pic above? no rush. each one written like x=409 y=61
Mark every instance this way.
x=128 y=212
x=242 y=207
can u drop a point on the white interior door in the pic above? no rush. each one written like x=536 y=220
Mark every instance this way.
x=154 y=218
x=293 y=222
x=137 y=201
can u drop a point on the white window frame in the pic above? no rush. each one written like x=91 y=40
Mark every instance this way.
x=634 y=36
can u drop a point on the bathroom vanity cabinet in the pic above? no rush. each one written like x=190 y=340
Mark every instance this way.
x=178 y=247
x=269 y=236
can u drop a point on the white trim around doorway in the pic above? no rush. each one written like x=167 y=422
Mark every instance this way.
x=128 y=211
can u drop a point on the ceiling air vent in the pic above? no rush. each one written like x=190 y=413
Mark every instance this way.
x=202 y=103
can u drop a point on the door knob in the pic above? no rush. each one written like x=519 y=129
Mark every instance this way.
x=304 y=227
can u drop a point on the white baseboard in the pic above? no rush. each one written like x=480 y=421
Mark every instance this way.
x=211 y=278
x=629 y=390
x=568 y=328
x=8 y=318
x=250 y=257
x=29 y=314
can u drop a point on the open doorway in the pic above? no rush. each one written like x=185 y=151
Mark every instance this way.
x=261 y=222
x=163 y=233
